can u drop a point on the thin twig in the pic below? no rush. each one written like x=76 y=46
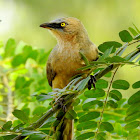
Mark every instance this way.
x=134 y=42
x=105 y=102
x=9 y=99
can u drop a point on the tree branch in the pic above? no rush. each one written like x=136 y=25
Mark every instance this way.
x=105 y=102
x=9 y=99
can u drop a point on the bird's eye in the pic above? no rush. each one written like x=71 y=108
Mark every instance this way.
x=63 y=24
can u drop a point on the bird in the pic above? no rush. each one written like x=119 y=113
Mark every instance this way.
x=64 y=59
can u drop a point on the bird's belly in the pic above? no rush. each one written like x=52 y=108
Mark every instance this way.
x=67 y=66
x=65 y=70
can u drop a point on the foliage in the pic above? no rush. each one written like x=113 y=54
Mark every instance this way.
x=28 y=105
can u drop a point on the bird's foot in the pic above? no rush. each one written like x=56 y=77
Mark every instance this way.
x=91 y=82
x=60 y=102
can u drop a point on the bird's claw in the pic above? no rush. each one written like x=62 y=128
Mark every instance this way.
x=91 y=82
x=60 y=102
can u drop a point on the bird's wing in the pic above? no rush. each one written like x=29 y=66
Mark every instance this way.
x=50 y=73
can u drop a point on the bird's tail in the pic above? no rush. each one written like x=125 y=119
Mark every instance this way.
x=64 y=129
x=67 y=129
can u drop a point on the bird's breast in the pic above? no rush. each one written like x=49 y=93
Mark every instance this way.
x=67 y=61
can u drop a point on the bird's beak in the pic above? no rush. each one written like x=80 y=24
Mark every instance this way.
x=47 y=25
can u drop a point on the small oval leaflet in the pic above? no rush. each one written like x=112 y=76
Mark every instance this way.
x=85 y=136
x=101 y=83
x=133 y=108
x=132 y=125
x=107 y=126
x=85 y=125
x=125 y=36
x=7 y=126
x=112 y=104
x=120 y=84
x=136 y=85
x=132 y=117
x=95 y=93
x=107 y=45
x=89 y=116
x=134 y=98
x=115 y=94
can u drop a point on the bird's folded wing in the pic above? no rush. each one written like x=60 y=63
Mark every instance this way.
x=50 y=73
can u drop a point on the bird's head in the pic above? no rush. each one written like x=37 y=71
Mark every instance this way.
x=66 y=28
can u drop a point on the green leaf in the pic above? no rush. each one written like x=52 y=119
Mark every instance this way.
x=43 y=56
x=39 y=110
x=84 y=58
x=134 y=135
x=20 y=81
x=17 y=60
x=43 y=97
x=120 y=51
x=1 y=138
x=115 y=94
x=7 y=126
x=37 y=136
x=137 y=37
x=106 y=54
x=89 y=116
x=115 y=59
x=28 y=83
x=132 y=117
x=76 y=102
x=90 y=103
x=132 y=125
x=71 y=114
x=138 y=46
x=118 y=129
x=27 y=132
x=56 y=122
x=10 y=48
x=85 y=136
x=133 y=31
x=101 y=136
x=82 y=84
x=134 y=98
x=120 y=84
x=9 y=137
x=23 y=92
x=107 y=45
x=94 y=93
x=136 y=28
x=133 y=108
x=108 y=74
x=34 y=54
x=135 y=56
x=17 y=127
x=85 y=125
x=101 y=83
x=136 y=85
x=137 y=60
x=112 y=104
x=125 y=36
x=107 y=126
x=21 y=115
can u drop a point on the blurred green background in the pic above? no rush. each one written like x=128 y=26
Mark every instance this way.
x=103 y=19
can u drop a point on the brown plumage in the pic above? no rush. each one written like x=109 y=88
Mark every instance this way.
x=65 y=58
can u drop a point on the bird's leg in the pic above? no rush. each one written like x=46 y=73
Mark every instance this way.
x=61 y=103
x=91 y=82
